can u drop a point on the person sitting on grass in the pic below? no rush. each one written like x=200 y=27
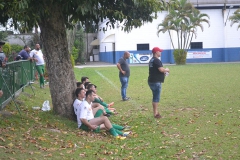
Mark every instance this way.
x=86 y=120
x=98 y=99
x=98 y=110
x=84 y=80
x=80 y=85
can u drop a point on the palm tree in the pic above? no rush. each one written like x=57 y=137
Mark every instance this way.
x=235 y=18
x=184 y=19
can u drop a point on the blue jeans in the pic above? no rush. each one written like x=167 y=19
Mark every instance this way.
x=156 y=91
x=124 y=82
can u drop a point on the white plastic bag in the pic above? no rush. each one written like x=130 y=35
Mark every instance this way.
x=46 y=106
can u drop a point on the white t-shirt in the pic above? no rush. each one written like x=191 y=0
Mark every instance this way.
x=84 y=111
x=76 y=105
x=38 y=55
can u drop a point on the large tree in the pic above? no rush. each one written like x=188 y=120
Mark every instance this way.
x=55 y=16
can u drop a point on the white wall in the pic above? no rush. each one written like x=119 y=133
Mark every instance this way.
x=20 y=39
x=216 y=36
x=232 y=34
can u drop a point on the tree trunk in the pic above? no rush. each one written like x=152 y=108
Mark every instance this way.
x=62 y=81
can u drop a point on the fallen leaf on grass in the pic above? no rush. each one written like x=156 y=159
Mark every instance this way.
x=48 y=155
x=82 y=154
x=2 y=139
x=10 y=144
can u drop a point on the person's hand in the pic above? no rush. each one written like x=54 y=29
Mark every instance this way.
x=3 y=64
x=123 y=72
x=35 y=59
x=93 y=127
x=1 y=93
x=167 y=70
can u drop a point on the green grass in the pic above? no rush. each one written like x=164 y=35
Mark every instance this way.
x=200 y=105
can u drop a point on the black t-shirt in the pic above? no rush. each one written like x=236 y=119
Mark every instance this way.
x=154 y=74
x=125 y=67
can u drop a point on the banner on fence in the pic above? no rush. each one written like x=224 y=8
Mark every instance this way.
x=199 y=54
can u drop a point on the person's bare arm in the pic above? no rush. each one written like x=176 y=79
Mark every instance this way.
x=163 y=70
x=120 y=69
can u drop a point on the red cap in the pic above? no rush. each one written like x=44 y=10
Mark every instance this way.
x=155 y=49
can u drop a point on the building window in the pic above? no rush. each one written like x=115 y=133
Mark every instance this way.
x=196 y=45
x=142 y=47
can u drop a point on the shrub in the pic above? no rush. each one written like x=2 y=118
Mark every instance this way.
x=180 y=56
x=75 y=53
x=7 y=49
x=16 y=48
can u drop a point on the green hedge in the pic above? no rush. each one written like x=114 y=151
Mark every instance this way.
x=180 y=56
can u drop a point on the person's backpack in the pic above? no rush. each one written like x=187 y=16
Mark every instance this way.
x=18 y=57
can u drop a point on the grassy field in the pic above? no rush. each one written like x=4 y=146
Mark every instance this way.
x=200 y=105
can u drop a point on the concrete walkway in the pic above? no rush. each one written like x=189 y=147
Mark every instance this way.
x=103 y=64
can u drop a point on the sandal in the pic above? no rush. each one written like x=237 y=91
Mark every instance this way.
x=158 y=116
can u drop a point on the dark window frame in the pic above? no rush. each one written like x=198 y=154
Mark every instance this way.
x=196 y=45
x=141 y=47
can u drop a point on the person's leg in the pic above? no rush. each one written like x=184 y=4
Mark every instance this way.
x=107 y=124
x=42 y=75
x=97 y=112
x=124 y=83
x=40 y=72
x=156 y=90
x=117 y=127
x=96 y=100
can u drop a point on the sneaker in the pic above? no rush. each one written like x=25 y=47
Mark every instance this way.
x=126 y=128
x=125 y=134
x=42 y=86
x=120 y=137
x=126 y=99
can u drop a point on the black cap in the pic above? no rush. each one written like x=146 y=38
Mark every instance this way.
x=2 y=43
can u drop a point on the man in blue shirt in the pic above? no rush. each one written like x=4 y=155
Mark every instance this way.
x=23 y=54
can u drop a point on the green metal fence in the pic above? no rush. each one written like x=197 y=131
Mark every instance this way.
x=13 y=78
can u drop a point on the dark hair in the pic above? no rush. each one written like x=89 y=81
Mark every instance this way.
x=86 y=84
x=89 y=92
x=84 y=79
x=25 y=47
x=90 y=86
x=79 y=84
x=78 y=90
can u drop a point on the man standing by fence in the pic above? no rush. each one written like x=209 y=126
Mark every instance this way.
x=23 y=54
x=37 y=56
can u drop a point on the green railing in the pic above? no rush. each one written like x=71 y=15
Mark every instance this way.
x=13 y=78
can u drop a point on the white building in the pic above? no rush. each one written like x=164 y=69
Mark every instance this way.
x=218 y=43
